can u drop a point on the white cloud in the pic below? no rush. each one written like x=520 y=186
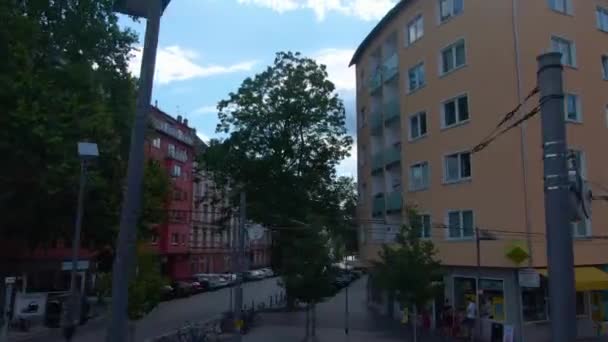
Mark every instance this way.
x=205 y=138
x=367 y=10
x=336 y=61
x=174 y=63
x=206 y=110
x=348 y=166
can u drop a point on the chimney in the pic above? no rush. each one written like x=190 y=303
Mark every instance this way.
x=156 y=103
x=179 y=118
x=185 y=122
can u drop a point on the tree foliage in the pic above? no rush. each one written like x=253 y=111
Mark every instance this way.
x=286 y=134
x=63 y=79
x=409 y=269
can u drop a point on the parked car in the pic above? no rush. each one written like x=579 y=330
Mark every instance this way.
x=181 y=289
x=198 y=287
x=254 y=275
x=267 y=272
x=166 y=292
x=214 y=281
x=231 y=277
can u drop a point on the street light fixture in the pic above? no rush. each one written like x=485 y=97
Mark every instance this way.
x=86 y=152
x=124 y=261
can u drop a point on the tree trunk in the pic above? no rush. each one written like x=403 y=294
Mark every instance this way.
x=415 y=322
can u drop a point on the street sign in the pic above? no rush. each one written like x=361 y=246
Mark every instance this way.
x=10 y=280
x=528 y=277
x=255 y=231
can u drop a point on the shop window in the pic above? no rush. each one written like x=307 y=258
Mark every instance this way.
x=581 y=304
x=464 y=292
x=492 y=299
x=535 y=304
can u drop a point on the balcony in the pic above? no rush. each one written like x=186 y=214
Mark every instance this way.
x=375 y=82
x=377 y=162
x=178 y=134
x=390 y=68
x=376 y=123
x=178 y=155
x=392 y=156
x=394 y=202
x=392 y=111
x=379 y=205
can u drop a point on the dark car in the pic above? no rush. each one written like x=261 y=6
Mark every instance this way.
x=199 y=286
x=181 y=289
x=166 y=292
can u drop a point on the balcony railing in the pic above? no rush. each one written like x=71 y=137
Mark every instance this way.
x=392 y=111
x=166 y=128
x=178 y=155
x=392 y=156
x=376 y=123
x=378 y=205
x=394 y=202
x=390 y=67
x=375 y=81
x=377 y=162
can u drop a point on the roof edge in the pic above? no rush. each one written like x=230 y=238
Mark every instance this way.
x=390 y=15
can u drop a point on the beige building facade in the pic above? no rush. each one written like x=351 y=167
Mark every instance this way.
x=434 y=78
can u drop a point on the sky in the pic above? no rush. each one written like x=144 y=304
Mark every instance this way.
x=208 y=47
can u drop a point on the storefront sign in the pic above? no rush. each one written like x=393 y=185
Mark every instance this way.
x=528 y=277
x=9 y=280
x=30 y=304
x=508 y=333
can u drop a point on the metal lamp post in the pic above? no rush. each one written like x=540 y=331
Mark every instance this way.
x=124 y=261
x=480 y=235
x=86 y=152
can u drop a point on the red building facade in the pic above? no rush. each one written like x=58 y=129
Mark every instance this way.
x=172 y=145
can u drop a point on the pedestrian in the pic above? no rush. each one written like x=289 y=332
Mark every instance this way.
x=446 y=319
x=469 y=319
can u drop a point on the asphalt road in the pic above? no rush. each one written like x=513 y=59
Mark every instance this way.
x=171 y=315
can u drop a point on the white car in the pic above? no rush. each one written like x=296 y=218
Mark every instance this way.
x=267 y=271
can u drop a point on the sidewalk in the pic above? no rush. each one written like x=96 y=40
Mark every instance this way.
x=364 y=325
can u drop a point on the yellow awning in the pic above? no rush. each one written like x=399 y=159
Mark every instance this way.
x=586 y=278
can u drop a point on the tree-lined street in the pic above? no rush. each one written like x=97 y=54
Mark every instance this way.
x=173 y=314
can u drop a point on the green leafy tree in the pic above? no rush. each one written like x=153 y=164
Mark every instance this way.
x=409 y=269
x=286 y=133
x=144 y=288
x=63 y=79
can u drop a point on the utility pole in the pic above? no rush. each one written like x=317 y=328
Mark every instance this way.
x=238 y=294
x=560 y=253
x=124 y=260
x=346 y=313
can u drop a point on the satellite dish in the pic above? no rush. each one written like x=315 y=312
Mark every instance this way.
x=255 y=231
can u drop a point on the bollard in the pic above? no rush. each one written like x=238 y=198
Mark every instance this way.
x=271 y=301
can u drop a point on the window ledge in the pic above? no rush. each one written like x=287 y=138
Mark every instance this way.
x=448 y=73
x=418 y=138
x=462 y=239
x=602 y=30
x=572 y=67
x=459 y=181
x=583 y=238
x=458 y=124
x=575 y=122
x=408 y=44
x=448 y=19
x=564 y=13
x=412 y=92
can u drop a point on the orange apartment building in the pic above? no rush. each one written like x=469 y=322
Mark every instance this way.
x=434 y=77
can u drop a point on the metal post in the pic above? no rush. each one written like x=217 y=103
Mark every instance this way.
x=415 y=322
x=346 y=311
x=307 y=326
x=124 y=261
x=72 y=315
x=477 y=289
x=238 y=295
x=560 y=254
x=8 y=292
x=314 y=320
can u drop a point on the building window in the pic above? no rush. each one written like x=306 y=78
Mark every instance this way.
x=171 y=149
x=460 y=224
x=415 y=30
x=567 y=50
x=457 y=167
x=423 y=223
x=418 y=127
x=450 y=8
x=176 y=171
x=573 y=108
x=417 y=78
x=453 y=57
x=563 y=6
x=156 y=142
x=605 y=67
x=174 y=238
x=455 y=111
x=419 y=176
x=602 y=19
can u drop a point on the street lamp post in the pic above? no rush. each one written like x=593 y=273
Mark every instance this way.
x=124 y=260
x=86 y=152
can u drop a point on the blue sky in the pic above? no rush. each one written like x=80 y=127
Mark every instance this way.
x=207 y=47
